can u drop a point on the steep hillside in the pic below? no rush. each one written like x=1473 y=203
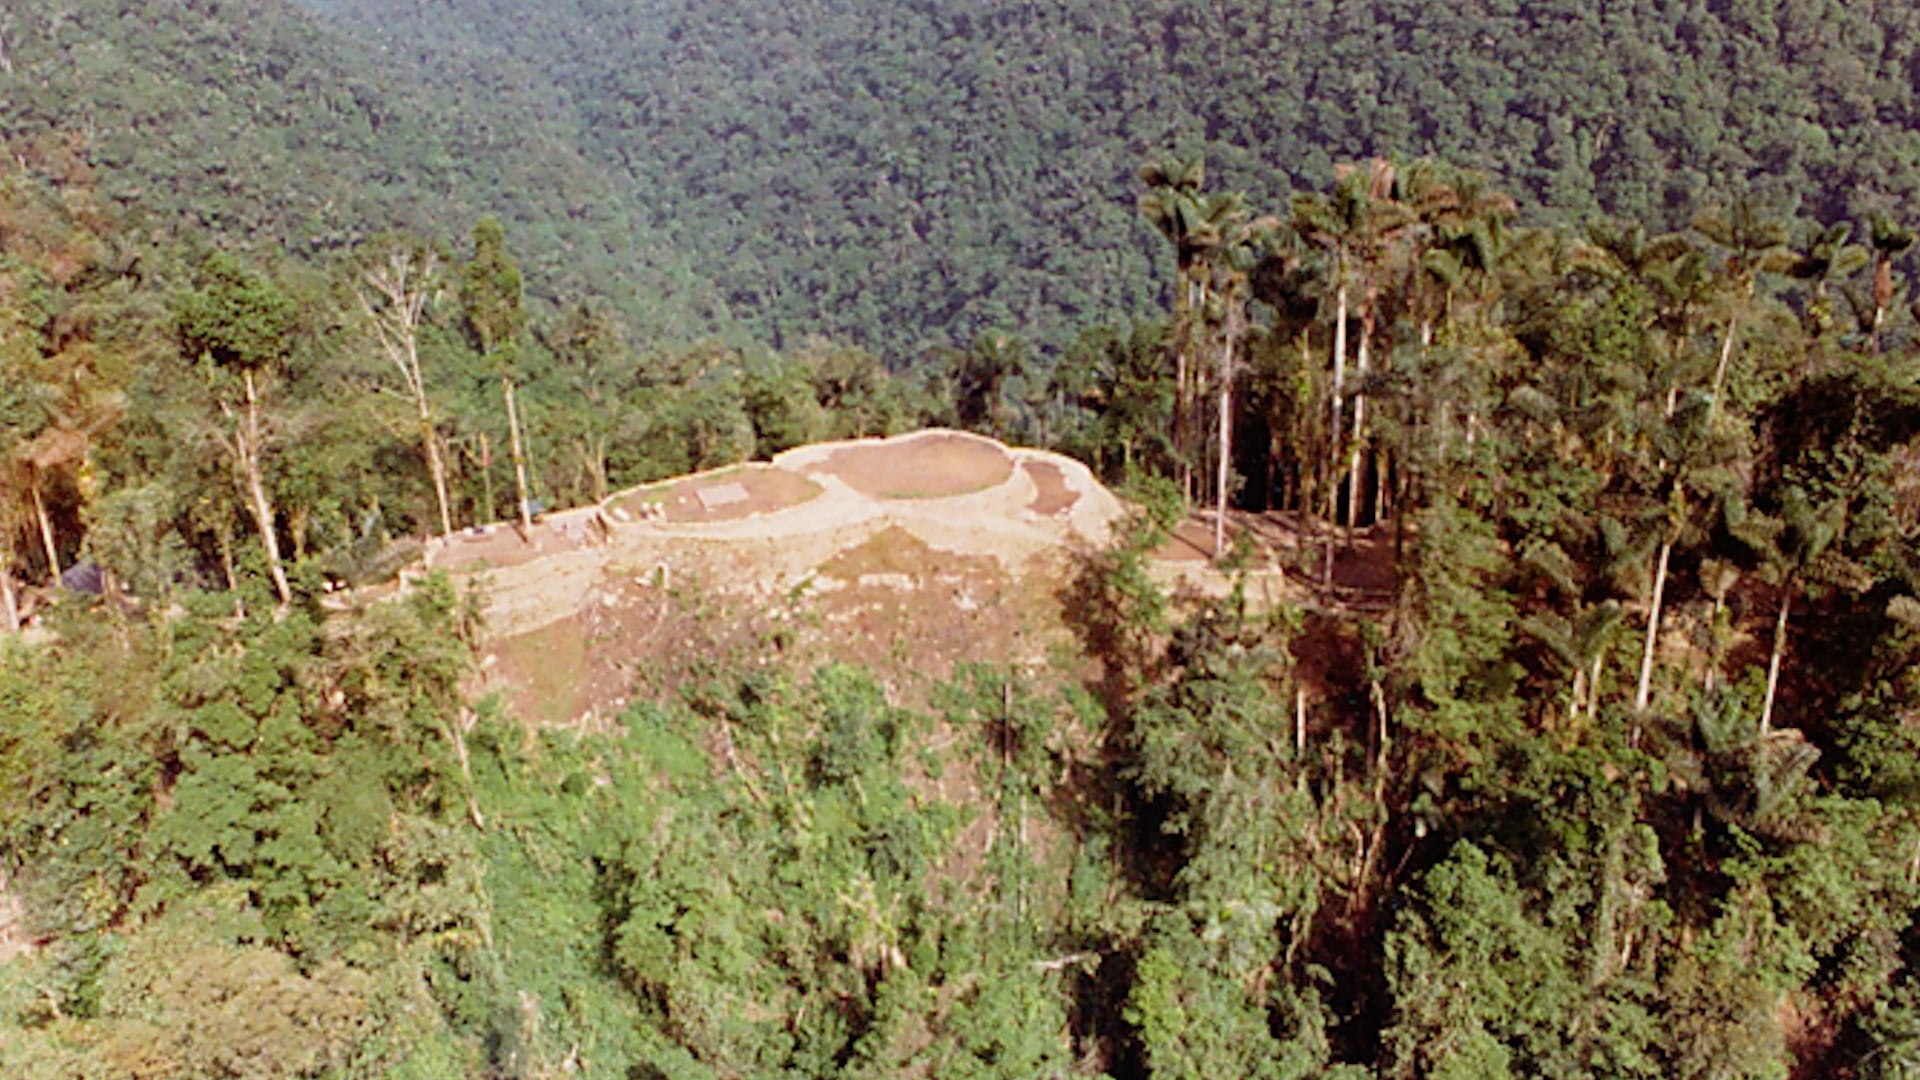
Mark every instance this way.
x=901 y=176
x=253 y=121
x=890 y=172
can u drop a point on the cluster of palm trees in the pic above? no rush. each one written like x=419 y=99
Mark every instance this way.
x=1216 y=240
x=1468 y=358
x=1384 y=244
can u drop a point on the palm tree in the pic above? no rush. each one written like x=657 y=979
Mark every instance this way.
x=1231 y=264
x=1808 y=530
x=1889 y=239
x=1703 y=490
x=980 y=376
x=1172 y=205
x=1673 y=273
x=1320 y=220
x=1580 y=645
x=1828 y=257
x=1357 y=225
x=1461 y=231
x=1754 y=245
x=1750 y=779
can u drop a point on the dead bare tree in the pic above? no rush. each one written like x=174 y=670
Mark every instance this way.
x=397 y=282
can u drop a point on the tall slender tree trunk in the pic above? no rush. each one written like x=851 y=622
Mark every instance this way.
x=1304 y=495
x=9 y=603
x=1339 y=392
x=46 y=531
x=434 y=464
x=519 y=457
x=1882 y=295
x=1193 y=457
x=1713 y=650
x=600 y=470
x=1383 y=464
x=1356 y=462
x=1593 y=686
x=1227 y=347
x=249 y=446
x=1640 y=696
x=225 y=543
x=1779 y=650
x=1300 y=720
x=486 y=480
x=1719 y=373
x=1181 y=469
x=1182 y=317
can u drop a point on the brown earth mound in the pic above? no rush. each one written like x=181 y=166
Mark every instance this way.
x=929 y=467
x=904 y=609
x=723 y=496
x=1055 y=496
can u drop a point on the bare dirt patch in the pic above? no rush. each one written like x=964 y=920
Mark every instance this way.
x=1367 y=564
x=911 y=611
x=1192 y=541
x=906 y=611
x=1055 y=496
x=542 y=670
x=636 y=634
x=15 y=940
x=1363 y=560
x=492 y=547
x=728 y=495
x=895 y=551
x=928 y=467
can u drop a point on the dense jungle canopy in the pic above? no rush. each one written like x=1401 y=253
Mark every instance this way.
x=1594 y=321
x=893 y=174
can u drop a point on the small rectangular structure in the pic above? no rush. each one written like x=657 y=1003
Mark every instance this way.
x=719 y=495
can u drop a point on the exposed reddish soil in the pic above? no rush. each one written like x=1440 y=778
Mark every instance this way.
x=1365 y=565
x=929 y=467
x=542 y=671
x=1054 y=496
x=914 y=611
x=1192 y=541
x=766 y=488
x=635 y=636
x=893 y=604
x=1362 y=563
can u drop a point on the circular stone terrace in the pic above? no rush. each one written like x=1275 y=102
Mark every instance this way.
x=927 y=465
x=729 y=494
x=963 y=481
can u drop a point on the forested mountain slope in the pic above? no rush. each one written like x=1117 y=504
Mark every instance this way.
x=254 y=122
x=882 y=171
x=1581 y=742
